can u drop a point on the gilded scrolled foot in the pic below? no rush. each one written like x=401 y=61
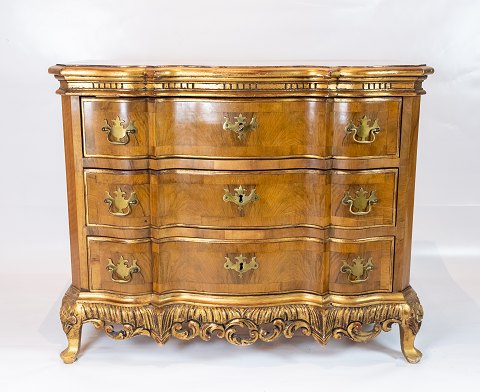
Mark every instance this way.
x=410 y=326
x=69 y=355
x=407 y=339
x=71 y=318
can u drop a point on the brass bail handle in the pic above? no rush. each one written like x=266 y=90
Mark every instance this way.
x=118 y=204
x=361 y=203
x=358 y=270
x=363 y=133
x=117 y=131
x=122 y=272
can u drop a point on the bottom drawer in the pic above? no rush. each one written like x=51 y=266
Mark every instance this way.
x=241 y=267
x=122 y=266
x=222 y=266
x=361 y=266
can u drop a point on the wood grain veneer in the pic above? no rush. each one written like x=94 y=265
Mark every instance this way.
x=285 y=198
x=151 y=152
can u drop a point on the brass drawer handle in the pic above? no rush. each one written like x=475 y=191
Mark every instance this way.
x=357 y=271
x=240 y=198
x=118 y=205
x=241 y=265
x=361 y=203
x=363 y=133
x=240 y=126
x=121 y=272
x=117 y=133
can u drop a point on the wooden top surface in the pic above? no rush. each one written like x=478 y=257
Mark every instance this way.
x=291 y=80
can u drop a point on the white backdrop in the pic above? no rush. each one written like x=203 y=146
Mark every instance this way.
x=33 y=217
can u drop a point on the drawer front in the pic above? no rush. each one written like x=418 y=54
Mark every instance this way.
x=123 y=266
x=115 y=128
x=241 y=199
x=366 y=127
x=362 y=266
x=214 y=266
x=118 y=198
x=364 y=198
x=213 y=128
x=247 y=267
x=350 y=128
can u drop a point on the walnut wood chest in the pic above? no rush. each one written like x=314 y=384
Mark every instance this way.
x=246 y=203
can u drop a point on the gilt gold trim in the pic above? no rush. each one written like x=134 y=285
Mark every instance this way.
x=219 y=299
x=154 y=158
x=288 y=81
x=183 y=226
x=235 y=241
x=266 y=323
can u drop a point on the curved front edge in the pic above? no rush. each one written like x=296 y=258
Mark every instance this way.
x=72 y=320
x=321 y=317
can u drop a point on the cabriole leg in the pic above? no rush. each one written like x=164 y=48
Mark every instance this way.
x=410 y=325
x=74 y=336
x=407 y=339
x=71 y=318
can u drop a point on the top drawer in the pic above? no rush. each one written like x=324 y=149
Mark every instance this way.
x=241 y=129
x=366 y=127
x=115 y=128
x=236 y=129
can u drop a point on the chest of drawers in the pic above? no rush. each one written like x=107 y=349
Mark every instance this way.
x=246 y=203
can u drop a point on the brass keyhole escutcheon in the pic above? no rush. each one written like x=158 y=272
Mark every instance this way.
x=241 y=265
x=240 y=126
x=240 y=197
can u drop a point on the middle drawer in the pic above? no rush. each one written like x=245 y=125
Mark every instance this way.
x=232 y=200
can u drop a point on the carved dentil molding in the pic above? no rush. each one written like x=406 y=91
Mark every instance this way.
x=245 y=81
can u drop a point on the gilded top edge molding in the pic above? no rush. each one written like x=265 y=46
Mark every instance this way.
x=244 y=80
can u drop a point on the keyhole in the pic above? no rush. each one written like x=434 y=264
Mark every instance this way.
x=241 y=266
x=240 y=198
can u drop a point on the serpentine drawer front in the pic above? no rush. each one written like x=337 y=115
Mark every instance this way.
x=217 y=200
x=357 y=127
x=241 y=199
